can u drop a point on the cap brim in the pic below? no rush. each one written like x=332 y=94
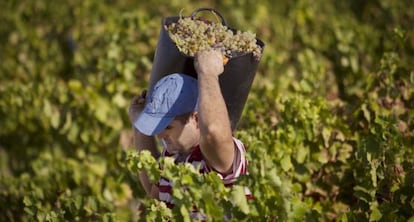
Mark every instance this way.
x=150 y=125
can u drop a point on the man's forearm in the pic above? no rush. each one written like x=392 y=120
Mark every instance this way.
x=216 y=139
x=212 y=108
x=142 y=142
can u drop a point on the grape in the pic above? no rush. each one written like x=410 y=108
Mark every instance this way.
x=194 y=34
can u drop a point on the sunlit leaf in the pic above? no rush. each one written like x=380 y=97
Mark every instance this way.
x=239 y=198
x=286 y=163
x=375 y=214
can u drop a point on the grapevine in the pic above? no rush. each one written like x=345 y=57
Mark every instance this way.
x=194 y=34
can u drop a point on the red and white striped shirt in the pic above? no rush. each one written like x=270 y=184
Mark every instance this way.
x=196 y=158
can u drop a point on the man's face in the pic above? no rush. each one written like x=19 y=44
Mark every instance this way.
x=180 y=136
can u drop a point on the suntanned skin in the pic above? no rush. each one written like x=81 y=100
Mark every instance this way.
x=216 y=141
x=209 y=127
x=142 y=141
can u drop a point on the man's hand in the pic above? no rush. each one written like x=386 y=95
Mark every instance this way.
x=209 y=62
x=137 y=105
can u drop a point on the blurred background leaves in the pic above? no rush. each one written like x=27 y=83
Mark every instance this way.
x=329 y=119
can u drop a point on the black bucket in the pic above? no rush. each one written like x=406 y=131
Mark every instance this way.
x=235 y=82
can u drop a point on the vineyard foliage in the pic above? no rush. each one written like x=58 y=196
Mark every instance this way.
x=329 y=122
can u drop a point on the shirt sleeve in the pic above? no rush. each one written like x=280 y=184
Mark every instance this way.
x=239 y=164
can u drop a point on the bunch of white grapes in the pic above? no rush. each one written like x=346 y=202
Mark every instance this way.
x=192 y=35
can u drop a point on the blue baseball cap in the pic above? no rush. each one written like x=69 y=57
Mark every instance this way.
x=173 y=95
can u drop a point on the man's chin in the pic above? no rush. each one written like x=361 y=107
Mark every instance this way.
x=168 y=147
x=172 y=150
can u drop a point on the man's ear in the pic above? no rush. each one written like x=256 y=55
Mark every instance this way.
x=195 y=116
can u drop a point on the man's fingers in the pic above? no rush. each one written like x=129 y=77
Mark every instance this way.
x=135 y=100
x=139 y=99
x=144 y=93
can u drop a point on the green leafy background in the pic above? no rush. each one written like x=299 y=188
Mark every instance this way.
x=329 y=122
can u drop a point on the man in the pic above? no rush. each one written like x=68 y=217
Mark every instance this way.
x=190 y=118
